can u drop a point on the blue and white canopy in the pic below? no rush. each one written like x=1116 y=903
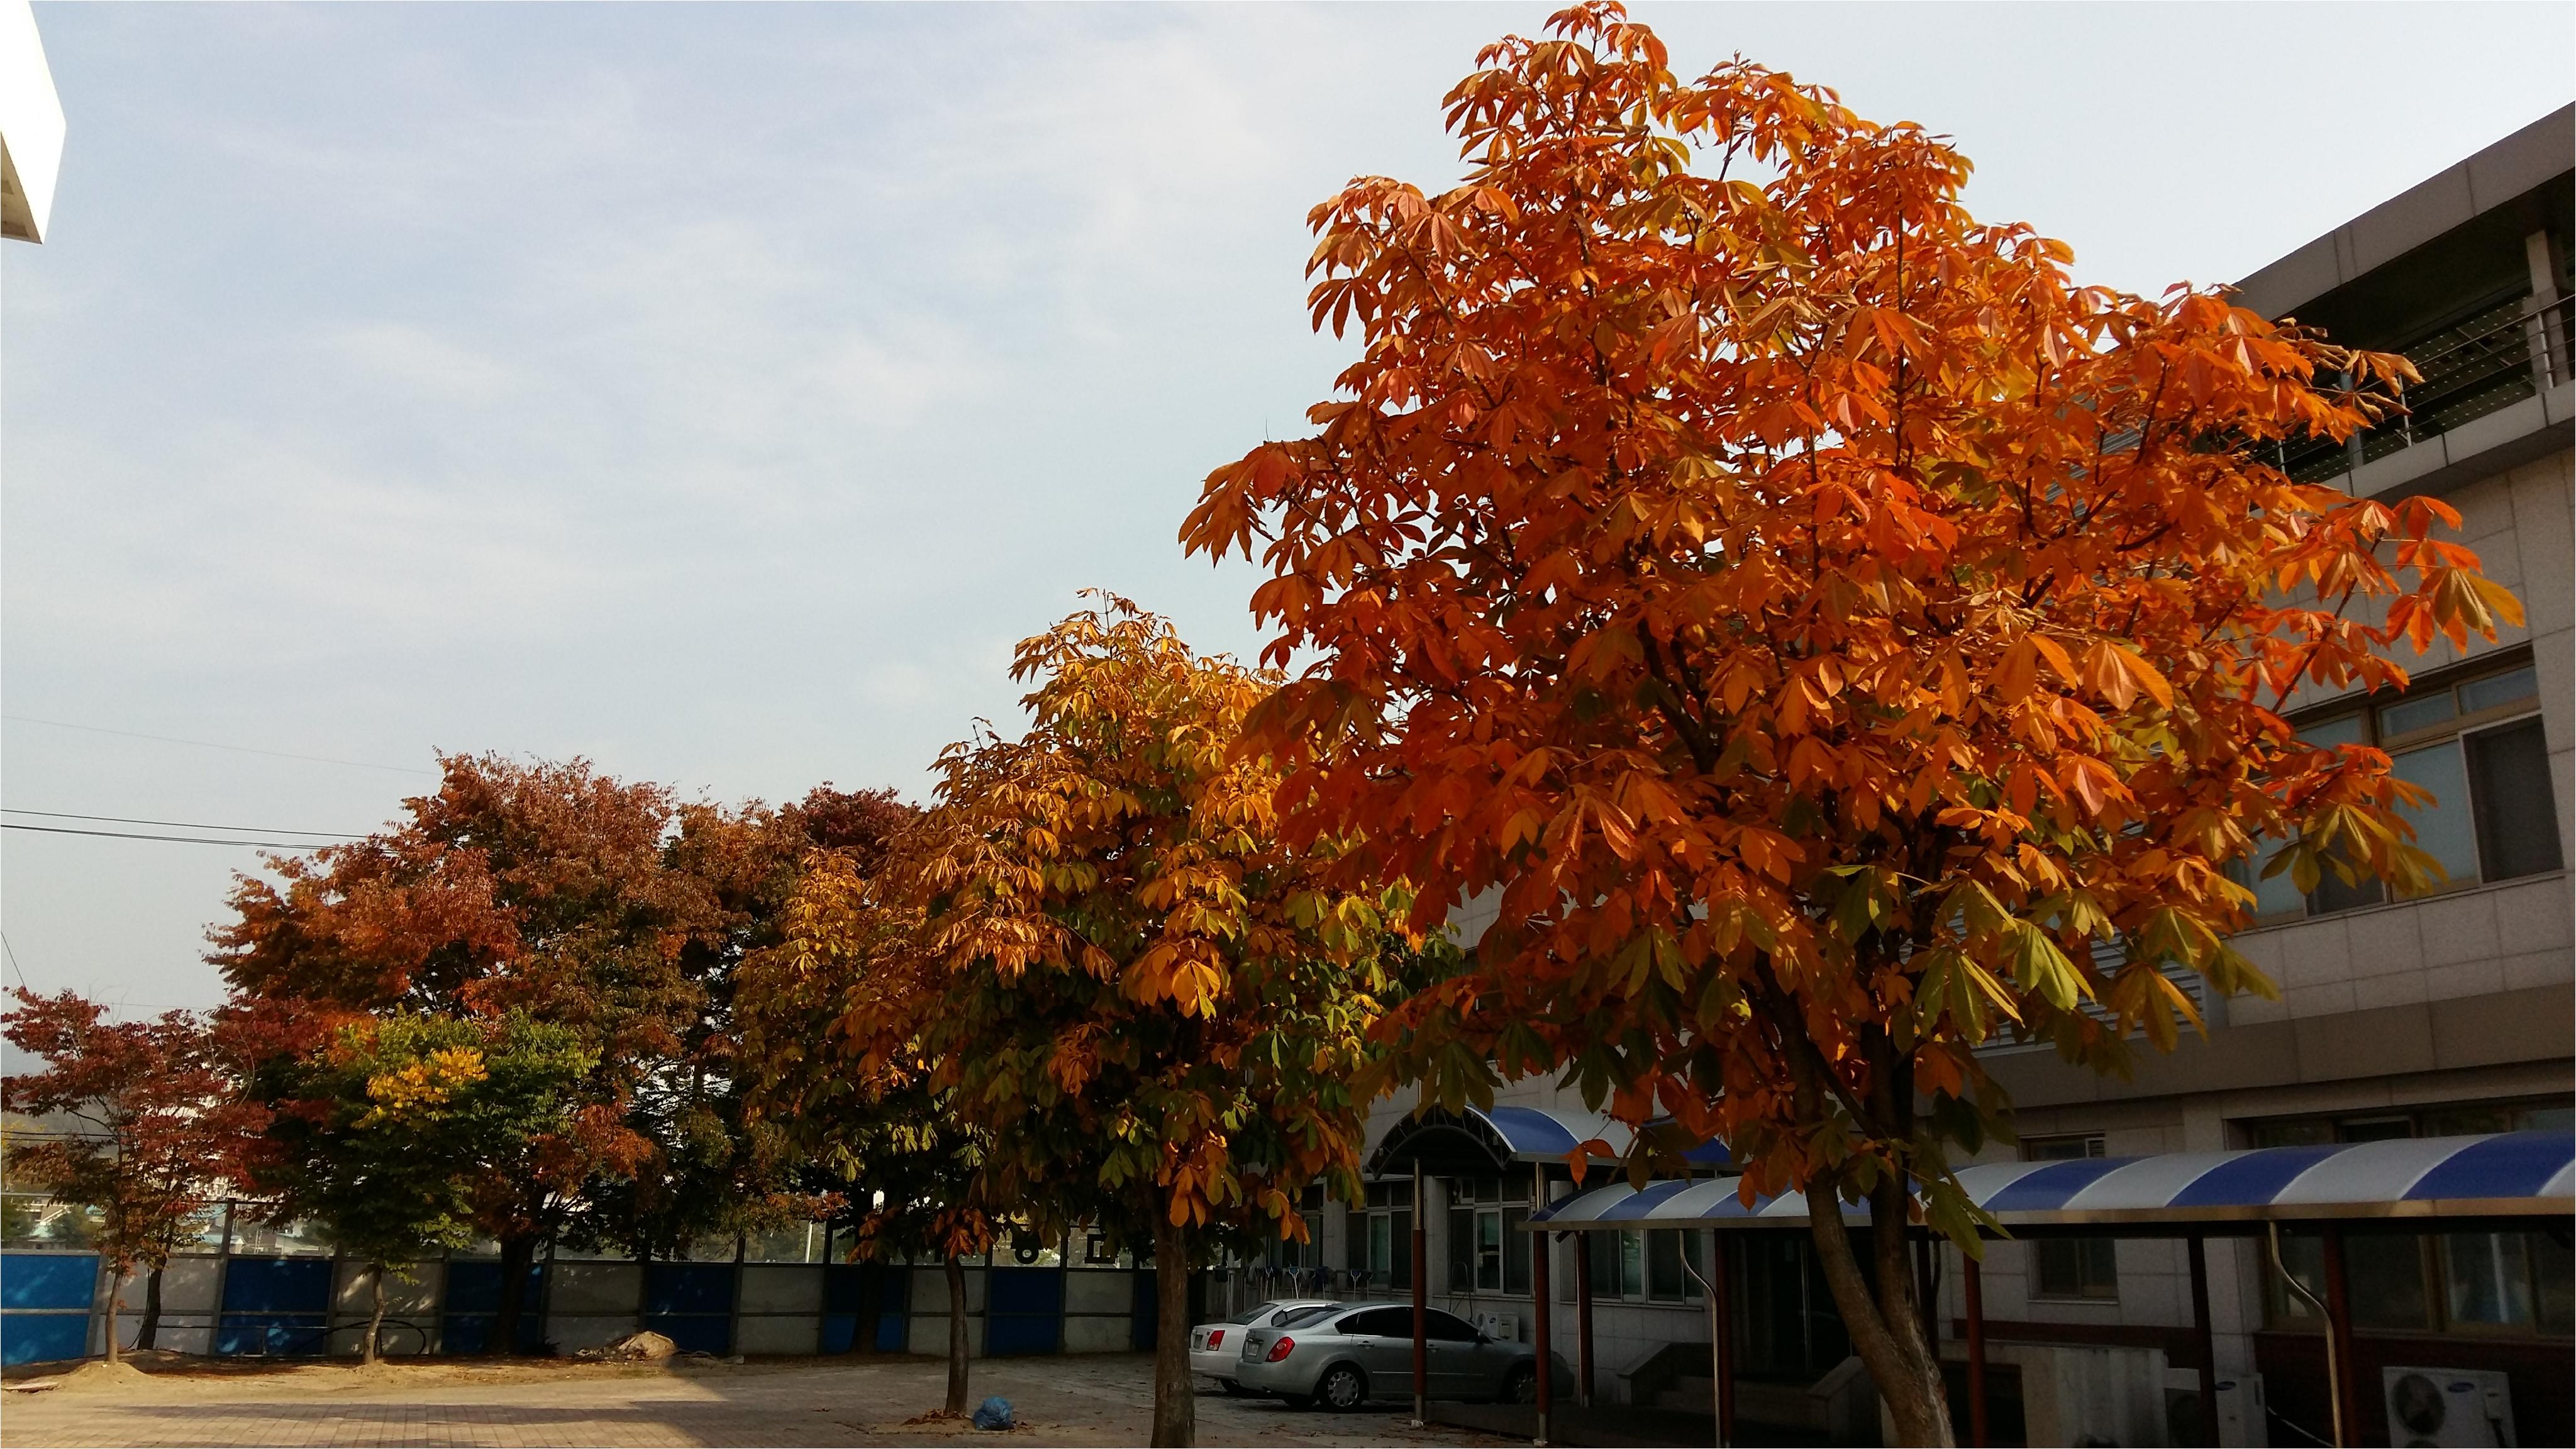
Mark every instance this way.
x=1490 y=1140
x=1480 y=1140
x=2513 y=1174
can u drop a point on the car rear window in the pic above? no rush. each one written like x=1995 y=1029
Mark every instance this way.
x=1304 y=1316
x=1380 y=1322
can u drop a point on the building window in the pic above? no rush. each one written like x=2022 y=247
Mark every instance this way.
x=2476 y=745
x=2086 y=1268
x=1648 y=1266
x=1488 y=1250
x=1381 y=1238
x=2462 y=1282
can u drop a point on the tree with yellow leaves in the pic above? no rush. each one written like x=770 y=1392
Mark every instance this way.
x=380 y=1133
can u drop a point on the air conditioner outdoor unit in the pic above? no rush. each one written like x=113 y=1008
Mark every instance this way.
x=2243 y=1422
x=1501 y=1327
x=2447 y=1407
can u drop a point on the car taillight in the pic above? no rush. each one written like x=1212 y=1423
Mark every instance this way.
x=1284 y=1347
x=1216 y=1337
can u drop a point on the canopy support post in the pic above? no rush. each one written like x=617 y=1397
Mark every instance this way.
x=1540 y=1303
x=1724 y=1292
x=1583 y=1321
x=1927 y=1306
x=2339 y=1355
x=1421 y=1303
x=2203 y=1343
x=1972 y=1286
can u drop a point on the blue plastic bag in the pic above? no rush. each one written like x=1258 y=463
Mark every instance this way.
x=993 y=1413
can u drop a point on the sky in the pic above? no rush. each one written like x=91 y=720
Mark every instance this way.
x=719 y=392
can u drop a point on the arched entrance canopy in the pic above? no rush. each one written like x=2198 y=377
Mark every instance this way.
x=1482 y=1142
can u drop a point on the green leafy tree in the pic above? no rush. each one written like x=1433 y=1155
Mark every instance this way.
x=382 y=1135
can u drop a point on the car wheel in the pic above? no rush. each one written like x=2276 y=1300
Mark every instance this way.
x=1522 y=1386
x=1342 y=1388
x=1234 y=1387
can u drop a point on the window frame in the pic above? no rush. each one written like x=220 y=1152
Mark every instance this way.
x=1480 y=1204
x=2370 y=711
x=2086 y=1253
x=1627 y=1247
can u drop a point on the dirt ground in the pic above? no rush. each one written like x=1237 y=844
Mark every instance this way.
x=1078 y=1400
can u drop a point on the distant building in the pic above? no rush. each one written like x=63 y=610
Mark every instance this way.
x=31 y=127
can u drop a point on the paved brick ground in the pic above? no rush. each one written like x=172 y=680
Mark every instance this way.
x=1086 y=1400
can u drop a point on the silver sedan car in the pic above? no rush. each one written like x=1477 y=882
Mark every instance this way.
x=1216 y=1347
x=1346 y=1354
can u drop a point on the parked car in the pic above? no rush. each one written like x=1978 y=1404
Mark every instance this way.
x=1350 y=1353
x=1213 y=1345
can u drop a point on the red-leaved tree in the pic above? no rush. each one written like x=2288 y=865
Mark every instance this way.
x=143 y=1123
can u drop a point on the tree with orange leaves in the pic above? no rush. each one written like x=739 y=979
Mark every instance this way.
x=831 y=1022
x=1839 y=635
x=1152 y=1010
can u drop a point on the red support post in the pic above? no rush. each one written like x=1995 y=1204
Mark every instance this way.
x=2347 y=1408
x=2204 y=1343
x=1926 y=1307
x=1583 y=1320
x=1722 y=1326
x=1972 y=1287
x=1421 y=1303
x=1539 y=1305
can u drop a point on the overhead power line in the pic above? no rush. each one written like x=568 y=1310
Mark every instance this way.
x=175 y=839
x=183 y=824
x=213 y=745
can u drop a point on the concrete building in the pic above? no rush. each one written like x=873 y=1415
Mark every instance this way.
x=31 y=127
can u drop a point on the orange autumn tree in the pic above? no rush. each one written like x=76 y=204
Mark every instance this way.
x=1153 y=1009
x=832 y=1021
x=1839 y=635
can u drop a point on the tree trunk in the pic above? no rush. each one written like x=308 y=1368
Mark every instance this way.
x=375 y=1315
x=149 y=1334
x=516 y=1255
x=115 y=1291
x=872 y=1276
x=956 y=1336
x=1886 y=1329
x=1175 y=1402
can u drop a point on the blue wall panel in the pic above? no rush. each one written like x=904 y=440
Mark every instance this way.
x=688 y=1288
x=691 y=1304
x=694 y=1332
x=1143 y=1326
x=845 y=1289
x=1023 y=1311
x=48 y=1280
x=277 y=1285
x=472 y=1296
x=43 y=1337
x=275 y=1307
